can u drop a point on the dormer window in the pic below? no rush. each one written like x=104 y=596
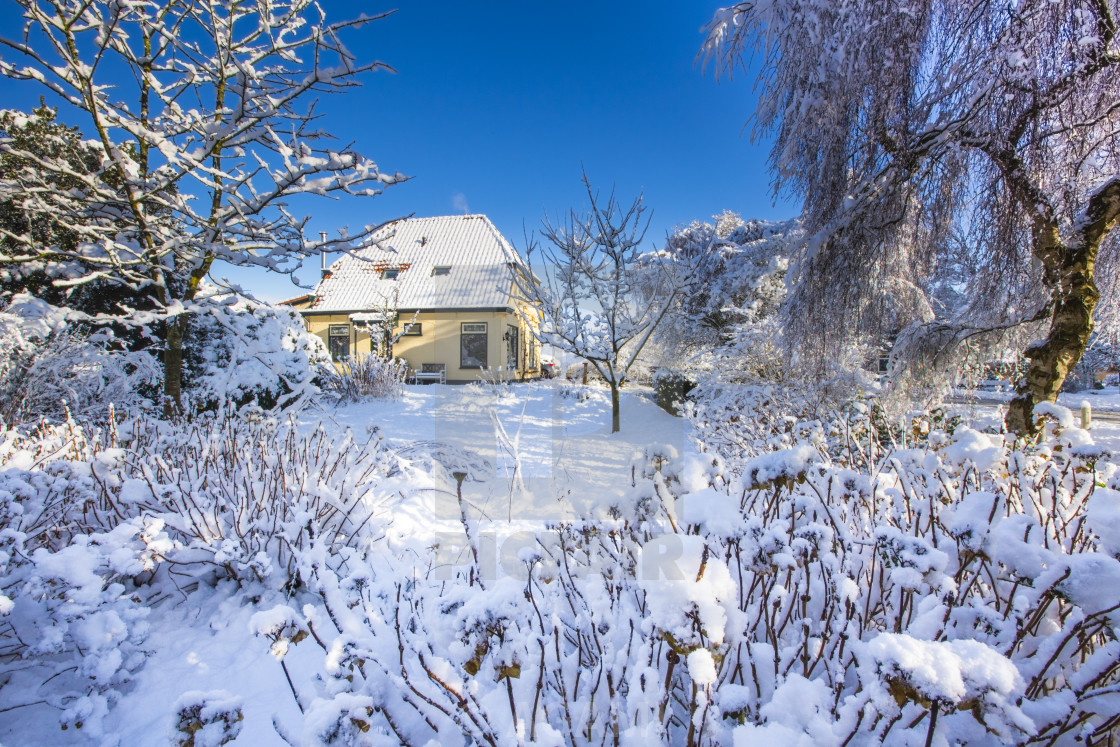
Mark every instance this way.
x=390 y=273
x=438 y=271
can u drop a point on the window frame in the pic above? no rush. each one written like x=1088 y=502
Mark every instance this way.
x=338 y=336
x=464 y=333
x=513 y=345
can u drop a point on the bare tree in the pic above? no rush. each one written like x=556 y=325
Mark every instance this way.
x=203 y=116
x=380 y=320
x=588 y=294
x=904 y=123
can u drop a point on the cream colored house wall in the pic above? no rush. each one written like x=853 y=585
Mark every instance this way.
x=439 y=341
x=319 y=324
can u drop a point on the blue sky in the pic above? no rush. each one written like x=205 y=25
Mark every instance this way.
x=496 y=105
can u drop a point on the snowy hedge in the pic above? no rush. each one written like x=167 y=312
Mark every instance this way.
x=56 y=362
x=52 y=364
x=99 y=527
x=841 y=591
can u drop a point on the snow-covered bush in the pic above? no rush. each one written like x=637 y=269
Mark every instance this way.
x=72 y=614
x=241 y=492
x=962 y=590
x=360 y=377
x=670 y=389
x=499 y=377
x=50 y=362
x=251 y=353
x=90 y=520
x=737 y=420
x=206 y=719
x=247 y=493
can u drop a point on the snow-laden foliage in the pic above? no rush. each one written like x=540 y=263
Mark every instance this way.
x=735 y=273
x=25 y=141
x=927 y=360
x=360 y=377
x=754 y=410
x=916 y=128
x=247 y=493
x=725 y=335
x=249 y=352
x=832 y=581
x=207 y=719
x=840 y=590
x=70 y=611
x=51 y=363
x=202 y=125
x=57 y=360
x=98 y=527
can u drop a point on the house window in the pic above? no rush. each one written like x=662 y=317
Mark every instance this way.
x=338 y=341
x=440 y=271
x=511 y=348
x=390 y=273
x=412 y=330
x=472 y=345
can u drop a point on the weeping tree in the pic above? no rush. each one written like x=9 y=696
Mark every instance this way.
x=589 y=291
x=909 y=124
x=201 y=126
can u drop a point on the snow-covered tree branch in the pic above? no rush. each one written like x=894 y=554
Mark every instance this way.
x=202 y=116
x=906 y=124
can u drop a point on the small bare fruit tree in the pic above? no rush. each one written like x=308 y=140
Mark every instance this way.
x=589 y=293
x=202 y=115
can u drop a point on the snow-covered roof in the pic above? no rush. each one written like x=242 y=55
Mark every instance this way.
x=365 y=317
x=446 y=262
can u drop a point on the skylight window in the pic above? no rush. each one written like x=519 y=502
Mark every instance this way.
x=390 y=273
x=444 y=270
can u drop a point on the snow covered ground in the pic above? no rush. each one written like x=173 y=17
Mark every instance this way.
x=532 y=453
x=1105 y=430
x=1102 y=400
x=444 y=631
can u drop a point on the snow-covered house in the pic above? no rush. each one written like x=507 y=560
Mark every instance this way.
x=444 y=285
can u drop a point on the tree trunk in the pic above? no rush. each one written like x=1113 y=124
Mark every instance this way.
x=616 y=420
x=173 y=366
x=1053 y=358
x=1076 y=296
